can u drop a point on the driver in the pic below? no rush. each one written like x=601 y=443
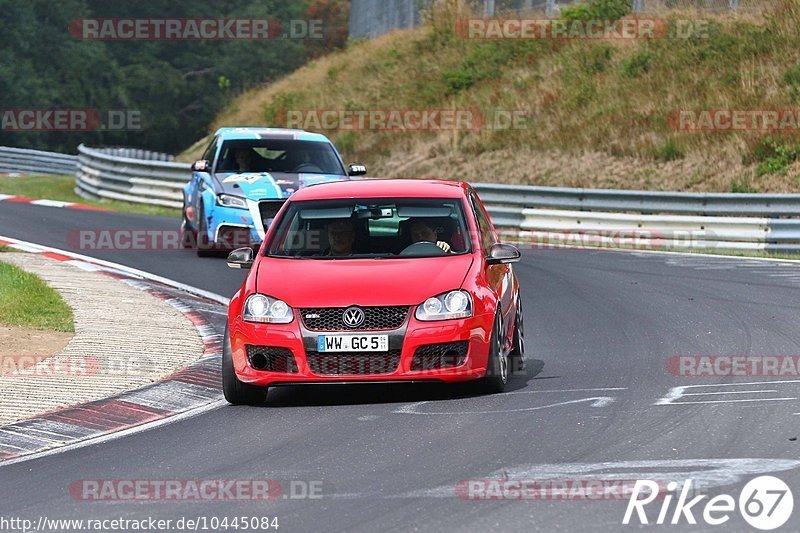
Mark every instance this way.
x=423 y=231
x=341 y=236
x=245 y=159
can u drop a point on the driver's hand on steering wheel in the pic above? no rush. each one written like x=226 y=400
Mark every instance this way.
x=443 y=245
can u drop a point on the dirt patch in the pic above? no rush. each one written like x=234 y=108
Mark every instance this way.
x=18 y=345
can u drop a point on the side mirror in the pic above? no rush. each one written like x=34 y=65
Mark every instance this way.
x=356 y=170
x=241 y=258
x=503 y=254
x=201 y=166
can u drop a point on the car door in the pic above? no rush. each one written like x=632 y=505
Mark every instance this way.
x=499 y=277
x=200 y=181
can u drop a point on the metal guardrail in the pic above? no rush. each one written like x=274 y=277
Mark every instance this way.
x=720 y=221
x=131 y=175
x=690 y=203
x=24 y=161
x=537 y=215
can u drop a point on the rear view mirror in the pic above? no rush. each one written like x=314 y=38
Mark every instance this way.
x=201 y=166
x=503 y=254
x=357 y=170
x=241 y=258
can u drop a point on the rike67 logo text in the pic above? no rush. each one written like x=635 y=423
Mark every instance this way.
x=766 y=503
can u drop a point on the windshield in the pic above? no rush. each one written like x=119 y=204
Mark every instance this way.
x=371 y=228
x=279 y=156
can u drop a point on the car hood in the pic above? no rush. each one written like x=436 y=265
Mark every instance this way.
x=266 y=185
x=367 y=282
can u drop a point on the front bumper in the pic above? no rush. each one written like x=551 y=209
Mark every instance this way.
x=412 y=335
x=231 y=228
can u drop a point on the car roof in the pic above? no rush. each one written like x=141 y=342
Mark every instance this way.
x=382 y=188
x=249 y=133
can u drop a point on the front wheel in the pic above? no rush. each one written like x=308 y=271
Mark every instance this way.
x=205 y=246
x=518 y=345
x=188 y=237
x=236 y=392
x=497 y=365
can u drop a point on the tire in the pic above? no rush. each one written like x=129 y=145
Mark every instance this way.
x=497 y=366
x=205 y=246
x=517 y=354
x=188 y=237
x=236 y=392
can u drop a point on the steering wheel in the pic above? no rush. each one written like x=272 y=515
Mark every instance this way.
x=308 y=167
x=422 y=248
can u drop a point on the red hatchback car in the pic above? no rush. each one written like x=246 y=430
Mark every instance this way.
x=375 y=281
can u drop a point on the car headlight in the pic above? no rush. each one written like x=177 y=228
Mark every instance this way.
x=453 y=304
x=227 y=200
x=260 y=308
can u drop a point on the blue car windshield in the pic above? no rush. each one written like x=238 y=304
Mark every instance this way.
x=279 y=156
x=371 y=228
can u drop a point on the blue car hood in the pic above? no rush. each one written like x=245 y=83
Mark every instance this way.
x=268 y=185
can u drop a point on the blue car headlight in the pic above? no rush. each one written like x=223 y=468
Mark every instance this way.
x=260 y=308
x=447 y=306
x=228 y=200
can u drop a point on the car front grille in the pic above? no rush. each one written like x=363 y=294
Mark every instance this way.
x=436 y=356
x=336 y=364
x=375 y=318
x=271 y=359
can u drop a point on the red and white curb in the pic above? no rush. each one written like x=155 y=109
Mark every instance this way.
x=186 y=392
x=48 y=203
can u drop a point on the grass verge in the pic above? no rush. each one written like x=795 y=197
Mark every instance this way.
x=594 y=113
x=61 y=188
x=27 y=301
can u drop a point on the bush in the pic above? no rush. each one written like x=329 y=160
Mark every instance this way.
x=670 y=151
x=275 y=112
x=637 y=64
x=597 y=9
x=743 y=186
x=772 y=156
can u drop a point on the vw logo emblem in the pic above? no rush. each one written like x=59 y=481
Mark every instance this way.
x=353 y=317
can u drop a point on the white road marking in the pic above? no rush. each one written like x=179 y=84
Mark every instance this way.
x=675 y=393
x=411 y=409
x=564 y=390
x=728 y=392
x=704 y=473
x=52 y=203
x=5 y=196
x=738 y=401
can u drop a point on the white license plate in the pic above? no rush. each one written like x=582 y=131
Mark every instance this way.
x=353 y=343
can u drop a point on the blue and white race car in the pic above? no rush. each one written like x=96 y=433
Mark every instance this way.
x=244 y=178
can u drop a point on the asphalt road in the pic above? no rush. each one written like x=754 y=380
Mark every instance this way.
x=597 y=400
